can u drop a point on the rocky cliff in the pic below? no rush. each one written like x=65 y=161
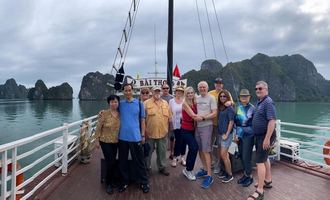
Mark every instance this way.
x=10 y=90
x=41 y=92
x=290 y=78
x=95 y=86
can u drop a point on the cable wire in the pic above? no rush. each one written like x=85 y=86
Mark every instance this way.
x=208 y=20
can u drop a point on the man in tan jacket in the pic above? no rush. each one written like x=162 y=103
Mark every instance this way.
x=158 y=115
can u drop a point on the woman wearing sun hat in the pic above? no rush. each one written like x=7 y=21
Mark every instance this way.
x=244 y=135
x=176 y=108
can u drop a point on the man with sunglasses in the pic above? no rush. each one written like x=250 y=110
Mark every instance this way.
x=263 y=125
x=167 y=97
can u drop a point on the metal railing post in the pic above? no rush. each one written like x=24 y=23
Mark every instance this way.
x=13 y=173
x=4 y=175
x=65 y=150
x=278 y=136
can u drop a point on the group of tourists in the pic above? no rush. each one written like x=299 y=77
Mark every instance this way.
x=207 y=124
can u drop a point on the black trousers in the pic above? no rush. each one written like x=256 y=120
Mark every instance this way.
x=136 y=150
x=110 y=152
x=245 y=147
x=180 y=144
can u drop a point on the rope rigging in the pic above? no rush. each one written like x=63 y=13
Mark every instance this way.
x=235 y=87
x=218 y=23
x=201 y=29
x=125 y=38
x=208 y=20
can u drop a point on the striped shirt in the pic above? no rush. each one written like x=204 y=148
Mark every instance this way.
x=265 y=111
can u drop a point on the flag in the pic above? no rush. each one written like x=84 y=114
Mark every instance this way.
x=176 y=72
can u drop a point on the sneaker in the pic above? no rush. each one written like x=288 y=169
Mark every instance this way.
x=189 y=174
x=247 y=182
x=227 y=179
x=207 y=182
x=201 y=173
x=145 y=188
x=242 y=179
x=222 y=174
x=216 y=169
x=183 y=161
x=174 y=162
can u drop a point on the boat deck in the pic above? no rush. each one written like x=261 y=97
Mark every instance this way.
x=83 y=183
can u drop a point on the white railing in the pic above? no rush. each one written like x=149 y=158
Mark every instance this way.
x=61 y=155
x=294 y=142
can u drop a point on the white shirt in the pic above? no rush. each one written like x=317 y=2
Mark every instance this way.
x=176 y=113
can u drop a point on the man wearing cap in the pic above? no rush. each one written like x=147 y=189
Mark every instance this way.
x=158 y=115
x=244 y=135
x=218 y=85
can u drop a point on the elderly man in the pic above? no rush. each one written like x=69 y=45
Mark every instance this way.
x=219 y=86
x=158 y=115
x=206 y=112
x=263 y=125
x=167 y=97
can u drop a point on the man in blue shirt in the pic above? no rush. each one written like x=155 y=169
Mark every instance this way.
x=132 y=138
x=263 y=125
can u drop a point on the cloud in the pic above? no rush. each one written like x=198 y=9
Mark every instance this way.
x=61 y=41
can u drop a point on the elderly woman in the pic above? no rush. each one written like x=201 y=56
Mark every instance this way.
x=106 y=136
x=244 y=135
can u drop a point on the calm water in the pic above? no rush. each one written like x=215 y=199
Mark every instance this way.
x=22 y=118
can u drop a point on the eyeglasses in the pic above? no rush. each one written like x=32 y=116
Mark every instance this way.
x=223 y=96
x=259 y=88
x=144 y=92
x=166 y=88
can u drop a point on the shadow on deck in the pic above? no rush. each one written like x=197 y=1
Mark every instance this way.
x=83 y=183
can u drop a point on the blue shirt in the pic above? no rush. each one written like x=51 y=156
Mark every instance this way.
x=265 y=111
x=224 y=117
x=130 y=120
x=243 y=119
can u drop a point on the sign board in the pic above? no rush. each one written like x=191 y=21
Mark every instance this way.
x=151 y=82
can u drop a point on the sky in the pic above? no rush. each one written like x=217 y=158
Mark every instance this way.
x=62 y=40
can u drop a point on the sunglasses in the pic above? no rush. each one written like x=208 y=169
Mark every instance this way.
x=166 y=88
x=223 y=96
x=259 y=88
x=144 y=92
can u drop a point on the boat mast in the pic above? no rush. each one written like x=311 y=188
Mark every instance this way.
x=170 y=44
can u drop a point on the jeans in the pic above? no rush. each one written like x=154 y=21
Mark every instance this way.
x=110 y=152
x=180 y=145
x=245 y=147
x=189 y=139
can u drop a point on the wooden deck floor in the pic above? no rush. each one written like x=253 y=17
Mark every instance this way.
x=83 y=183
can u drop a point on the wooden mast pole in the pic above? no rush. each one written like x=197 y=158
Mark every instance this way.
x=170 y=44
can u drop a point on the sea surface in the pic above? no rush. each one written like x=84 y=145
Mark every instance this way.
x=23 y=118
